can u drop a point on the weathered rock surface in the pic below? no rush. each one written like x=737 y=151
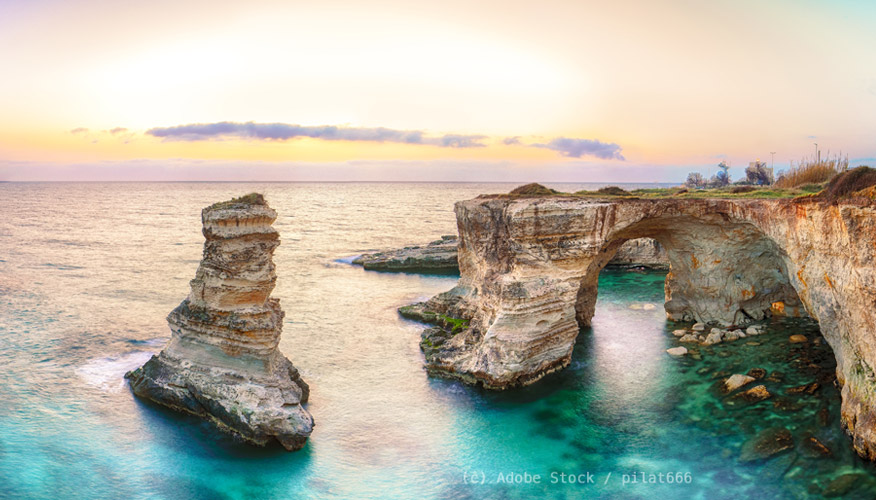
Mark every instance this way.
x=529 y=268
x=222 y=362
x=440 y=256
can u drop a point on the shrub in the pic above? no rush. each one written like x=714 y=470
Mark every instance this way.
x=613 y=191
x=742 y=189
x=758 y=174
x=812 y=172
x=533 y=189
x=695 y=180
x=249 y=199
x=849 y=181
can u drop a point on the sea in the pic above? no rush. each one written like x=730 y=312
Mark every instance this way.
x=89 y=271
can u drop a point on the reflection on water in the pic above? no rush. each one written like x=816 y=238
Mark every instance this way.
x=88 y=273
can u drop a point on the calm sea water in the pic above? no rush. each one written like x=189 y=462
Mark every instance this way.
x=89 y=271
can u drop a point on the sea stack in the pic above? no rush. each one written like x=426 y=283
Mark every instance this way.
x=222 y=362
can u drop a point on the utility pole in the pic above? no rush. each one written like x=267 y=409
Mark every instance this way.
x=816 y=151
x=772 y=158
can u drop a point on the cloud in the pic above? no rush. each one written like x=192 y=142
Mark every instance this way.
x=79 y=130
x=576 y=148
x=512 y=141
x=117 y=130
x=286 y=131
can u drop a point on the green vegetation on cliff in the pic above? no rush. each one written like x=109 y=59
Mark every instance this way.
x=249 y=199
x=847 y=184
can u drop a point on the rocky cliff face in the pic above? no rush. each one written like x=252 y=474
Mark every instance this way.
x=222 y=362
x=529 y=270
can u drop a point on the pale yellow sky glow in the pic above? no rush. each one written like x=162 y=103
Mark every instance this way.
x=667 y=86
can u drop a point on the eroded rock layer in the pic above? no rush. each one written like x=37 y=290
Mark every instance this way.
x=440 y=256
x=529 y=268
x=222 y=362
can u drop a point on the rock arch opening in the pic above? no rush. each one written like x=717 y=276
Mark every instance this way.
x=722 y=272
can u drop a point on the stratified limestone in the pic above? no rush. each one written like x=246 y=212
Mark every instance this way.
x=529 y=270
x=222 y=362
x=440 y=256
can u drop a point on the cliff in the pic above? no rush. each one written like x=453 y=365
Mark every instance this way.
x=222 y=362
x=529 y=268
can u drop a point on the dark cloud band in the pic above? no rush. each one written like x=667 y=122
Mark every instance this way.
x=576 y=148
x=285 y=131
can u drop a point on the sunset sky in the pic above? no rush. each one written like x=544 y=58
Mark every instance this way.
x=622 y=91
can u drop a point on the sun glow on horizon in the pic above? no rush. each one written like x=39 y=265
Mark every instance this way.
x=672 y=85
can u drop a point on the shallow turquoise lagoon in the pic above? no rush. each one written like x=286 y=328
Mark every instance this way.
x=89 y=271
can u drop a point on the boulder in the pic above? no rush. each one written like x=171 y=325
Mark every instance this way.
x=677 y=351
x=736 y=381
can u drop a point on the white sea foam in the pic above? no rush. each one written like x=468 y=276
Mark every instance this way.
x=108 y=373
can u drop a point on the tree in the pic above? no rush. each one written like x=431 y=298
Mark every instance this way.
x=723 y=176
x=695 y=180
x=758 y=174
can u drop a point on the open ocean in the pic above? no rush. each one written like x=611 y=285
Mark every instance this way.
x=88 y=272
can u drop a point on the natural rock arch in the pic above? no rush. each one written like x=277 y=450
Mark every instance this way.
x=528 y=270
x=724 y=272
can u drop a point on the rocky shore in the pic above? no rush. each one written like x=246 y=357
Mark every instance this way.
x=222 y=362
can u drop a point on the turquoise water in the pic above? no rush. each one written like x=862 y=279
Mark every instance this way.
x=89 y=271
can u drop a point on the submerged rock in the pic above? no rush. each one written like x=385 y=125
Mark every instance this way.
x=806 y=388
x=813 y=448
x=736 y=381
x=222 y=362
x=679 y=333
x=753 y=395
x=757 y=373
x=842 y=485
x=797 y=339
x=766 y=443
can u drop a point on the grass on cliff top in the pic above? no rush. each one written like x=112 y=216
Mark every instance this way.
x=732 y=192
x=249 y=199
x=857 y=184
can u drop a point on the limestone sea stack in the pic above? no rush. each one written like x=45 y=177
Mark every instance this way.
x=222 y=362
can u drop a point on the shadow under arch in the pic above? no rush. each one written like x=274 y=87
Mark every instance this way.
x=721 y=271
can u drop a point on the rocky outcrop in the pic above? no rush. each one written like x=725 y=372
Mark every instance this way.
x=440 y=256
x=529 y=269
x=437 y=257
x=222 y=362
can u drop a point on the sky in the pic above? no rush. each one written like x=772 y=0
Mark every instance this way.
x=386 y=90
